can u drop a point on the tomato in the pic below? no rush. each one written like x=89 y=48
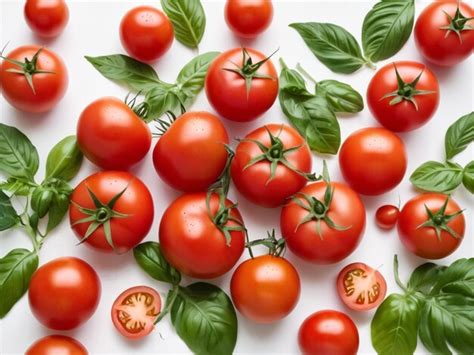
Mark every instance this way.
x=194 y=243
x=111 y=135
x=48 y=74
x=361 y=287
x=226 y=84
x=443 y=32
x=146 y=33
x=328 y=332
x=431 y=225
x=373 y=160
x=248 y=18
x=57 y=345
x=403 y=96
x=120 y=218
x=386 y=216
x=46 y=18
x=323 y=230
x=191 y=155
x=273 y=146
x=64 y=293
x=135 y=310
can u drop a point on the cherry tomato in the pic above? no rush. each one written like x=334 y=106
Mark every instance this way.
x=248 y=18
x=386 y=216
x=403 y=96
x=328 y=332
x=277 y=147
x=442 y=34
x=373 y=160
x=120 y=218
x=432 y=236
x=146 y=33
x=48 y=74
x=226 y=87
x=191 y=155
x=64 y=293
x=47 y=18
x=56 y=345
x=135 y=310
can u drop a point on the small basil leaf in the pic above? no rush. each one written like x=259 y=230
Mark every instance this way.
x=64 y=160
x=191 y=77
x=17 y=186
x=164 y=98
x=8 y=216
x=459 y=135
x=292 y=82
x=468 y=177
x=424 y=277
x=340 y=96
x=41 y=200
x=437 y=177
x=149 y=257
x=57 y=210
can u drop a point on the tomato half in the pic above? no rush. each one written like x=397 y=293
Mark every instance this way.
x=56 y=345
x=387 y=216
x=248 y=18
x=46 y=18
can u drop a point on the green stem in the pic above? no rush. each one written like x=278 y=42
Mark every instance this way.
x=169 y=304
x=395 y=272
x=305 y=73
x=370 y=64
x=282 y=63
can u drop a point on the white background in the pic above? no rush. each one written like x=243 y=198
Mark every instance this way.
x=93 y=30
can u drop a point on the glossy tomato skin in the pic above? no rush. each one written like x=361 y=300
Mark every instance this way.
x=373 y=160
x=254 y=181
x=192 y=243
x=56 y=345
x=403 y=116
x=248 y=18
x=434 y=43
x=387 y=216
x=345 y=210
x=49 y=88
x=46 y=18
x=191 y=155
x=136 y=203
x=146 y=33
x=226 y=90
x=328 y=332
x=423 y=241
x=64 y=293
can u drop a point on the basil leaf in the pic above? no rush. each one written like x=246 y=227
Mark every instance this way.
x=191 y=77
x=461 y=270
x=292 y=82
x=64 y=160
x=149 y=257
x=8 y=216
x=424 y=277
x=437 y=177
x=205 y=319
x=16 y=269
x=57 y=210
x=340 y=96
x=468 y=177
x=459 y=135
x=17 y=186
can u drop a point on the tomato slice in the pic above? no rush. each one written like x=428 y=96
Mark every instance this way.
x=134 y=312
x=361 y=287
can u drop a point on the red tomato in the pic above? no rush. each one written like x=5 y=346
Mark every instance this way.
x=49 y=79
x=47 y=18
x=57 y=345
x=427 y=236
x=373 y=160
x=191 y=155
x=386 y=216
x=266 y=288
x=335 y=241
x=443 y=35
x=227 y=91
x=64 y=293
x=328 y=332
x=135 y=310
x=195 y=244
x=111 y=135
x=361 y=287
x=146 y=33
x=252 y=175
x=248 y=18
x=129 y=217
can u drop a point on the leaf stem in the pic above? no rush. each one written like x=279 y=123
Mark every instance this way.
x=174 y=293
x=370 y=64
x=395 y=273
x=305 y=73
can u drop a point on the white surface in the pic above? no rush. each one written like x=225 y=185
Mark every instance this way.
x=93 y=30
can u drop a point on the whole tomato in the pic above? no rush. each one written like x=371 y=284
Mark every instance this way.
x=386 y=216
x=46 y=18
x=248 y=18
x=56 y=345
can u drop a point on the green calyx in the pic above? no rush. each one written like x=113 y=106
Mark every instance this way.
x=276 y=247
x=457 y=24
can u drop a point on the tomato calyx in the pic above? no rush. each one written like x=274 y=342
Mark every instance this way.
x=276 y=247
x=457 y=24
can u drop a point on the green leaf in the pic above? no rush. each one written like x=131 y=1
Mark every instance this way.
x=57 y=210
x=437 y=177
x=468 y=177
x=424 y=277
x=64 y=160
x=41 y=200
x=17 y=186
x=292 y=82
x=460 y=271
x=340 y=96
x=191 y=77
x=149 y=257
x=459 y=135
x=8 y=216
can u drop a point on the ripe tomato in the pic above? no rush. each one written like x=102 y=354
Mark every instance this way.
x=45 y=71
x=64 y=293
x=361 y=287
x=57 y=345
x=271 y=164
x=431 y=225
x=386 y=216
x=111 y=211
x=323 y=225
x=111 y=135
x=191 y=155
x=373 y=160
x=248 y=18
x=46 y=18
x=194 y=243
x=443 y=32
x=328 y=332
x=146 y=33
x=135 y=310
x=241 y=93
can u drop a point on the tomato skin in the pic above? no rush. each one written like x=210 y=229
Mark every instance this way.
x=191 y=155
x=146 y=33
x=386 y=216
x=254 y=181
x=56 y=345
x=192 y=243
x=49 y=88
x=404 y=116
x=328 y=332
x=64 y=293
x=423 y=241
x=432 y=41
x=46 y=18
x=226 y=90
x=248 y=18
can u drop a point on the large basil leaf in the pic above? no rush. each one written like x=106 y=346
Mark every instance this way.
x=424 y=277
x=64 y=160
x=8 y=216
x=460 y=271
x=149 y=257
x=437 y=177
x=340 y=96
x=468 y=177
x=191 y=77
x=459 y=135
